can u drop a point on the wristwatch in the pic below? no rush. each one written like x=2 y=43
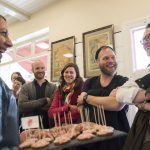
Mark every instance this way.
x=85 y=99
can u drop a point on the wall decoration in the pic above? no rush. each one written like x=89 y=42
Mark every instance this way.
x=63 y=52
x=93 y=40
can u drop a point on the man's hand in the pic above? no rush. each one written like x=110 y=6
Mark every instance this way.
x=48 y=100
x=80 y=98
x=146 y=106
x=113 y=93
x=147 y=94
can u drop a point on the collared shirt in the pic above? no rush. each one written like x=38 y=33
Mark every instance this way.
x=40 y=89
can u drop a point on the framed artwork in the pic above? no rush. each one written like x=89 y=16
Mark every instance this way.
x=62 y=52
x=93 y=40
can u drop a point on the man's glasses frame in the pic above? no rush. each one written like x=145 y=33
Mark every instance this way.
x=145 y=38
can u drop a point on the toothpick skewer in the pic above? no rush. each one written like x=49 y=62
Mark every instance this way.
x=70 y=117
x=26 y=134
x=54 y=115
x=103 y=115
x=65 y=118
x=81 y=113
x=98 y=115
x=95 y=115
x=88 y=114
x=42 y=126
x=41 y=123
x=59 y=123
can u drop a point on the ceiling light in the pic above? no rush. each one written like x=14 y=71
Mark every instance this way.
x=68 y=55
x=42 y=45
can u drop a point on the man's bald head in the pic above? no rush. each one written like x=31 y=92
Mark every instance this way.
x=38 y=68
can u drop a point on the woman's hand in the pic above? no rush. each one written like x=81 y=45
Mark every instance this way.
x=73 y=108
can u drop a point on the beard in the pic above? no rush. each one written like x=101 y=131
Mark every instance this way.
x=106 y=71
x=39 y=75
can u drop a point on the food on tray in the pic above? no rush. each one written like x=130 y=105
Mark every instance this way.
x=40 y=143
x=85 y=136
x=38 y=138
x=28 y=143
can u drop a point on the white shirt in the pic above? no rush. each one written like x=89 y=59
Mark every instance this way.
x=127 y=92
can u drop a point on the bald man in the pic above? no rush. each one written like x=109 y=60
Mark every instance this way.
x=35 y=97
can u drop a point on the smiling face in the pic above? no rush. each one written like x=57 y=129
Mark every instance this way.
x=69 y=75
x=5 y=42
x=38 y=69
x=16 y=85
x=146 y=41
x=107 y=62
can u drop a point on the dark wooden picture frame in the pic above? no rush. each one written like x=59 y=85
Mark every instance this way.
x=62 y=52
x=92 y=40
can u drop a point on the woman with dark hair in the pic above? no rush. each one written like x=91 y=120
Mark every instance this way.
x=16 y=86
x=14 y=75
x=64 y=104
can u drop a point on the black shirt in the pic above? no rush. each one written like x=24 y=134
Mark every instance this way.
x=116 y=119
x=40 y=90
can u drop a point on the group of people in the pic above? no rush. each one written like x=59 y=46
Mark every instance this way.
x=112 y=91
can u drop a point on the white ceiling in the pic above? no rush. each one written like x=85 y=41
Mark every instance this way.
x=21 y=10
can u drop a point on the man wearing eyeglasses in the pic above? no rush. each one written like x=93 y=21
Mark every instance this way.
x=8 y=107
x=137 y=90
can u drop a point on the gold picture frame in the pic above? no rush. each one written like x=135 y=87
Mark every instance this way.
x=92 y=40
x=62 y=52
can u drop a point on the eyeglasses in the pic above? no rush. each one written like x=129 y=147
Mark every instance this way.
x=145 y=38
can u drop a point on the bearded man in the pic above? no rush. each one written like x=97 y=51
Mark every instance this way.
x=35 y=97
x=102 y=86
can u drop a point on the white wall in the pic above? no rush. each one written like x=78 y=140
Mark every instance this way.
x=67 y=18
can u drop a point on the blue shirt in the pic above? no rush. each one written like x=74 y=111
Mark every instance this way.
x=9 y=130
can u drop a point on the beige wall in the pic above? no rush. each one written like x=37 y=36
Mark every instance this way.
x=73 y=17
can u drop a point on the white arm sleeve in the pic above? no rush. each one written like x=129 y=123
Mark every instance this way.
x=127 y=92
